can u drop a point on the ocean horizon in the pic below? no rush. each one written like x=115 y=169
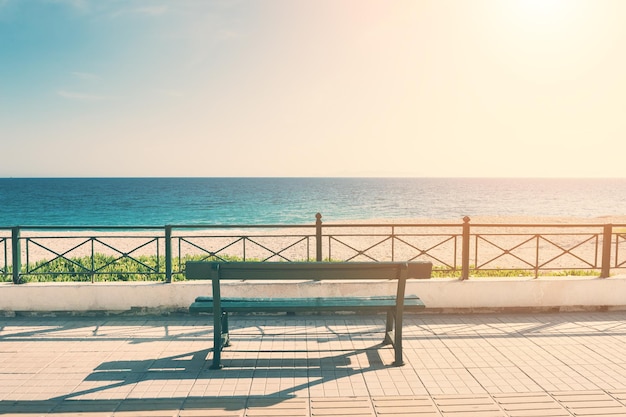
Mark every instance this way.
x=157 y=201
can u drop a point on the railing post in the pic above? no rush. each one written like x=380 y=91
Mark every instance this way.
x=318 y=237
x=16 y=253
x=168 y=254
x=606 y=251
x=93 y=261
x=465 y=249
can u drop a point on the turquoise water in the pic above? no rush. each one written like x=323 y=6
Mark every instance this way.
x=160 y=201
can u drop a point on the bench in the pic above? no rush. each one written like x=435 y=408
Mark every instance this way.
x=393 y=305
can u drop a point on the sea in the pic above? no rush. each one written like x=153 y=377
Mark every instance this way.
x=248 y=201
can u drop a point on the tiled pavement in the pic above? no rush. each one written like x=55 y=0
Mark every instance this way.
x=565 y=364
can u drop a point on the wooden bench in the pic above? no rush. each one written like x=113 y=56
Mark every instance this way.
x=393 y=305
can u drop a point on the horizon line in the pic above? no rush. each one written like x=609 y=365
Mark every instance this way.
x=314 y=177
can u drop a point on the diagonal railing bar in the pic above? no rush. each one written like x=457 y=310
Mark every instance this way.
x=151 y=269
x=426 y=252
x=126 y=255
x=360 y=252
x=303 y=239
x=208 y=252
x=182 y=240
x=273 y=252
x=30 y=240
x=505 y=251
x=4 y=270
x=619 y=236
x=566 y=251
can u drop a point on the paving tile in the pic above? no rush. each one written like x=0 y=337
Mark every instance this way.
x=620 y=395
x=209 y=413
x=530 y=405
x=420 y=406
x=277 y=407
x=590 y=403
x=213 y=407
x=27 y=407
x=354 y=407
x=465 y=405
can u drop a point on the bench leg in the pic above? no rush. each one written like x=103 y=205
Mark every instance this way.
x=218 y=339
x=389 y=329
x=397 y=344
x=393 y=336
x=225 y=333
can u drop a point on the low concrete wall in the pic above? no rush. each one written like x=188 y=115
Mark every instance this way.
x=496 y=294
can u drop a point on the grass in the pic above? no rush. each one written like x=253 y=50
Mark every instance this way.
x=103 y=268
x=512 y=273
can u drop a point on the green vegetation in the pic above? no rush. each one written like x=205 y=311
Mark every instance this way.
x=512 y=273
x=103 y=268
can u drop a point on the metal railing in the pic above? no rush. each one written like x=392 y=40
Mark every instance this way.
x=114 y=253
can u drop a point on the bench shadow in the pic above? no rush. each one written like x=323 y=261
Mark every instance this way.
x=195 y=366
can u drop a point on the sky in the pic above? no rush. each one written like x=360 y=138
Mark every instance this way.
x=306 y=88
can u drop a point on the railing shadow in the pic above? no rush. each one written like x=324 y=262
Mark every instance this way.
x=75 y=330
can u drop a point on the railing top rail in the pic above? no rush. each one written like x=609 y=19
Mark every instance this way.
x=242 y=226
x=546 y=225
x=173 y=226
x=354 y=225
x=84 y=227
x=418 y=224
x=305 y=225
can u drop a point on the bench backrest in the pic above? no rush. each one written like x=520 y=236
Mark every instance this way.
x=218 y=271
x=307 y=270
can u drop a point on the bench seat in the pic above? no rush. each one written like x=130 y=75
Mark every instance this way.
x=279 y=305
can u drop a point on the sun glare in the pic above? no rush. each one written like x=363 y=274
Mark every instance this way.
x=542 y=15
x=535 y=22
x=540 y=9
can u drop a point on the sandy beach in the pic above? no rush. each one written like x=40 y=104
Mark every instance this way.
x=523 y=242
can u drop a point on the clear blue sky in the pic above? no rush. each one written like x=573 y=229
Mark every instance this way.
x=313 y=88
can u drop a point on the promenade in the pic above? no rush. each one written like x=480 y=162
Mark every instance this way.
x=539 y=364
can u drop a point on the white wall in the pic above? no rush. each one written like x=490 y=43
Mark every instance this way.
x=495 y=294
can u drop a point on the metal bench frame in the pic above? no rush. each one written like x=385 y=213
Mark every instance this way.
x=393 y=305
